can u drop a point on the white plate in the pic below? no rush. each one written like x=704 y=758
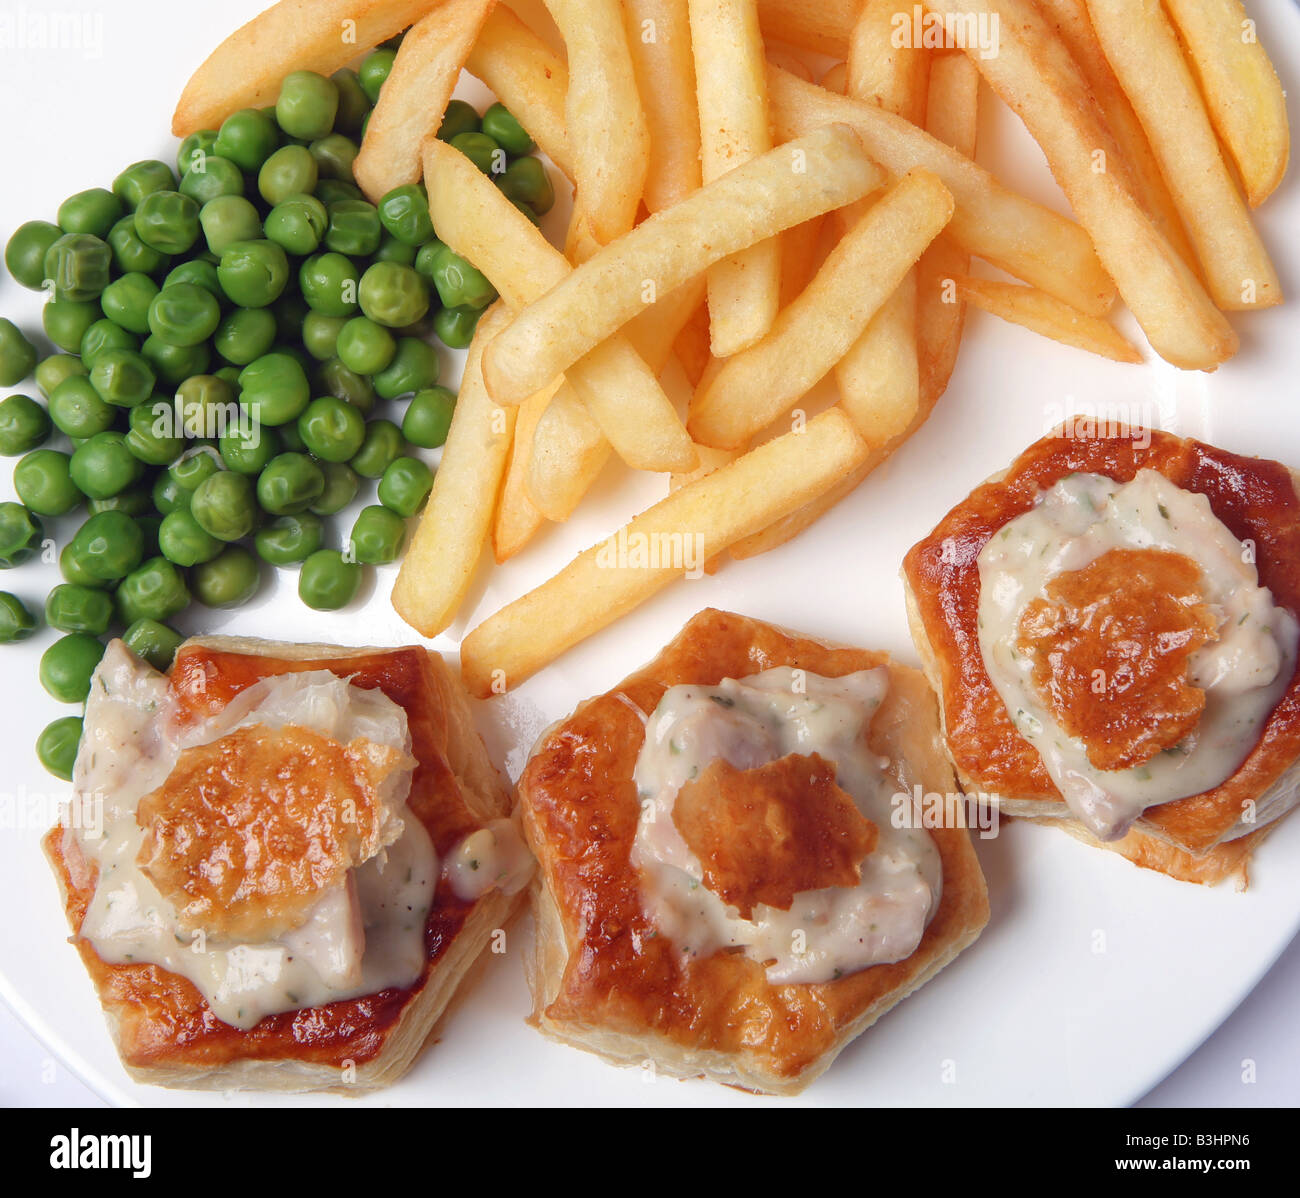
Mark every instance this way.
x=1093 y=979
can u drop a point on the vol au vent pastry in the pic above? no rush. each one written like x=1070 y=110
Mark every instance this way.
x=735 y=877
x=282 y=860
x=1110 y=625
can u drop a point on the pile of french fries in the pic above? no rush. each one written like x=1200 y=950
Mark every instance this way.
x=767 y=194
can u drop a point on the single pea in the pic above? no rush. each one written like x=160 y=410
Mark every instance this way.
x=291 y=483
x=122 y=377
x=44 y=483
x=297 y=224
x=247 y=447
x=16 y=622
x=129 y=253
x=455 y=326
x=364 y=346
x=56 y=369
x=458 y=117
x=374 y=70
x=228 y=580
x=108 y=546
x=274 y=388
x=247 y=138
x=20 y=534
x=354 y=228
x=207 y=406
x=414 y=368
x=173 y=364
x=335 y=378
x=67 y=665
x=341 y=485
x=214 y=178
x=125 y=301
x=73 y=608
x=194 y=467
x=428 y=417
x=167 y=221
x=94 y=211
x=253 y=273
x=66 y=321
x=244 y=335
x=483 y=151
x=198 y=272
x=74 y=571
x=405 y=486
x=24 y=425
x=327 y=582
x=194 y=150
x=184 y=314
x=393 y=295
x=224 y=505
x=377 y=536
x=459 y=283
x=392 y=250
x=334 y=155
x=404 y=212
x=353 y=103
x=26 y=250
x=287 y=540
x=156 y=432
x=334 y=191
x=181 y=539
x=136 y=502
x=104 y=466
x=154 y=590
x=290 y=171
x=103 y=335
x=525 y=181
x=382 y=446
x=320 y=334
x=332 y=429
x=229 y=219
x=307 y=105
x=169 y=496
x=141 y=180
x=426 y=258
x=57 y=745
x=329 y=284
x=154 y=642
x=230 y=374
x=498 y=123
x=77 y=410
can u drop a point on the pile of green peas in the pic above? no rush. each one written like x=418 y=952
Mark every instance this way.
x=230 y=333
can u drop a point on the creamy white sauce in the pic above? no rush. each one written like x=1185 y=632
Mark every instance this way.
x=492 y=858
x=826 y=933
x=361 y=937
x=1244 y=672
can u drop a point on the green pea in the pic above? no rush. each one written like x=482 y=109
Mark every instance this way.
x=73 y=608
x=274 y=389
x=392 y=250
x=136 y=502
x=289 y=539
x=364 y=346
x=354 y=228
x=289 y=172
x=335 y=378
x=414 y=368
x=214 y=178
x=483 y=151
x=378 y=536
x=334 y=191
x=228 y=580
x=353 y=103
x=67 y=665
x=500 y=125
x=24 y=425
x=181 y=539
x=56 y=369
x=79 y=264
x=66 y=322
x=455 y=326
x=20 y=534
x=297 y=224
x=194 y=151
x=375 y=68
x=253 y=273
x=341 y=485
x=459 y=283
x=57 y=745
x=44 y=483
x=125 y=301
x=320 y=334
x=405 y=486
x=194 y=467
x=329 y=284
x=106 y=547
x=169 y=496
x=154 y=642
x=184 y=314
x=122 y=377
x=175 y=363
x=207 y=405
x=458 y=117
x=393 y=295
x=154 y=590
x=404 y=212
x=200 y=272
x=247 y=138
x=141 y=180
x=167 y=221
x=246 y=447
x=155 y=432
x=525 y=181
x=104 y=466
x=334 y=155
x=26 y=250
x=327 y=582
x=224 y=505
x=331 y=429
x=307 y=105
x=383 y=444
x=228 y=219
x=104 y=335
x=290 y=484
x=428 y=417
x=129 y=253
x=95 y=211
x=245 y=334
x=16 y=622
x=77 y=410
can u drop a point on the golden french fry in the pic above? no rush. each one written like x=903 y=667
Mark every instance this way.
x=677 y=535
x=1023 y=238
x=415 y=95
x=473 y=216
x=1242 y=92
x=569 y=451
x=1179 y=319
x=439 y=564
x=880 y=70
x=1046 y=314
x=246 y=70
x=659 y=37
x=533 y=14
x=821 y=25
x=604 y=122
x=1143 y=49
x=824 y=170
x=517 y=517
x=528 y=77
x=732 y=98
x=814 y=332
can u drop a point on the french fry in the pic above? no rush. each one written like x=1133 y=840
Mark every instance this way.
x=604 y=122
x=1045 y=314
x=824 y=26
x=732 y=99
x=609 y=579
x=654 y=333
x=824 y=170
x=1023 y=238
x=814 y=332
x=528 y=77
x=659 y=37
x=533 y=14
x=246 y=70
x=569 y=451
x=1143 y=50
x=1241 y=89
x=415 y=95
x=472 y=216
x=517 y=516
x=883 y=72
x=440 y=562
x=1168 y=300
